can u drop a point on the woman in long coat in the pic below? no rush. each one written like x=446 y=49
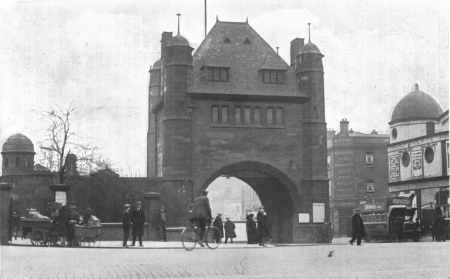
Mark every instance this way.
x=218 y=223
x=252 y=233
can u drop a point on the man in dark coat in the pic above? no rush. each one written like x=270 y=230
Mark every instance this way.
x=229 y=230
x=162 y=223
x=358 y=231
x=218 y=223
x=252 y=233
x=202 y=213
x=126 y=224
x=263 y=226
x=138 y=220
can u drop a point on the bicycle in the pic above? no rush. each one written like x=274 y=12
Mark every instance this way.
x=190 y=236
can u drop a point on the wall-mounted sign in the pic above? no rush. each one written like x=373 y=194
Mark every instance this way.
x=417 y=162
x=318 y=212
x=61 y=197
x=394 y=167
x=303 y=218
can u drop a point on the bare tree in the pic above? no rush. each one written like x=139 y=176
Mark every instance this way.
x=60 y=142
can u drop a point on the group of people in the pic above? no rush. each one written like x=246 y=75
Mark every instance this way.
x=258 y=231
x=229 y=228
x=134 y=220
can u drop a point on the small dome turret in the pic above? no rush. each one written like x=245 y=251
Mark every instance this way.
x=179 y=40
x=157 y=65
x=18 y=143
x=310 y=48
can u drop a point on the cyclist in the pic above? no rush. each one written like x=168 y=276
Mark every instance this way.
x=201 y=211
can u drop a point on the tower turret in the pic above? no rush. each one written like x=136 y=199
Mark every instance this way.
x=176 y=118
x=309 y=70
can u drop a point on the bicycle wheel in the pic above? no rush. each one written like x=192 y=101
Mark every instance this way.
x=212 y=239
x=188 y=238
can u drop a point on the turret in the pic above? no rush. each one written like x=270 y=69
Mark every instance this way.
x=309 y=71
x=176 y=118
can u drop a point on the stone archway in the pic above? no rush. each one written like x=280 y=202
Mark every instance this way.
x=276 y=191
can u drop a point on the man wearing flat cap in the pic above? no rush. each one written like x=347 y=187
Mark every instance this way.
x=138 y=220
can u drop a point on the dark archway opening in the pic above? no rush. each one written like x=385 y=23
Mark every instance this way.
x=274 y=191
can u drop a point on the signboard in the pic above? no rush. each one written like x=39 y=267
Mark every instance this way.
x=303 y=218
x=318 y=212
x=61 y=197
x=417 y=169
x=394 y=167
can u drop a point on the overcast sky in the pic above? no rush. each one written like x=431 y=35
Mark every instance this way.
x=96 y=55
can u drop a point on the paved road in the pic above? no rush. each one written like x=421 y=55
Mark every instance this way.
x=396 y=260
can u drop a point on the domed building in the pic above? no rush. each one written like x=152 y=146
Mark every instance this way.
x=418 y=152
x=18 y=155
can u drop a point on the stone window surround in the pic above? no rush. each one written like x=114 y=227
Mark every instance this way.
x=217 y=109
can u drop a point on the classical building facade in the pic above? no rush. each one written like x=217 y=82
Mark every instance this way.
x=357 y=169
x=235 y=108
x=418 y=150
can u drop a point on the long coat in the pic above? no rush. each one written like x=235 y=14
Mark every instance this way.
x=252 y=233
x=358 y=226
x=126 y=220
x=219 y=225
x=229 y=229
x=138 y=220
x=201 y=208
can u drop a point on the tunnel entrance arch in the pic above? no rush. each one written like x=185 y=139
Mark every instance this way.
x=277 y=194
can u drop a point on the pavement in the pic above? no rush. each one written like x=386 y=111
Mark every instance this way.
x=412 y=260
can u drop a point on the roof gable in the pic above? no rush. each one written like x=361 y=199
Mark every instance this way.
x=237 y=46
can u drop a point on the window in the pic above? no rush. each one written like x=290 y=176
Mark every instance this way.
x=272 y=76
x=405 y=159
x=224 y=114
x=279 y=116
x=269 y=116
x=430 y=128
x=6 y=162
x=429 y=155
x=237 y=115
x=370 y=187
x=17 y=162
x=318 y=212
x=369 y=158
x=394 y=133
x=215 y=114
x=247 y=115
x=257 y=115
x=218 y=74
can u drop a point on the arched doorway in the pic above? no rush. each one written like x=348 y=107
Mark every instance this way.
x=275 y=190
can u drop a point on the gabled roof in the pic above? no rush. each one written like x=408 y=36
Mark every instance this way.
x=237 y=46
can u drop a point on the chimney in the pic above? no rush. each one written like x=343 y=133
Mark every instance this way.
x=344 y=127
x=296 y=47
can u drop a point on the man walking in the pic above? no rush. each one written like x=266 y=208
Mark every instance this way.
x=358 y=231
x=230 y=232
x=138 y=220
x=126 y=224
